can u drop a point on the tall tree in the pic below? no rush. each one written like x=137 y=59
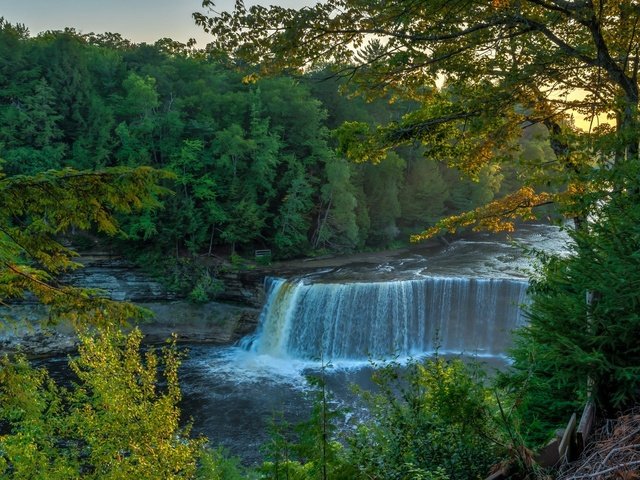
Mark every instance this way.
x=501 y=63
x=337 y=224
x=31 y=133
x=292 y=222
x=422 y=200
x=382 y=182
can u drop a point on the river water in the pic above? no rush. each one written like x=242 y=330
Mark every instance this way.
x=461 y=299
x=350 y=315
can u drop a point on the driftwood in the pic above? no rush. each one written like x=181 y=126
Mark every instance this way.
x=614 y=453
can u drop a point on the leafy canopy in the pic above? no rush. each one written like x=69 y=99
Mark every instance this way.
x=479 y=71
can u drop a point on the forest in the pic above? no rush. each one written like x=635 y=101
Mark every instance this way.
x=254 y=164
x=335 y=128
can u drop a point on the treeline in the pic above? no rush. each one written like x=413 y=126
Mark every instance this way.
x=254 y=163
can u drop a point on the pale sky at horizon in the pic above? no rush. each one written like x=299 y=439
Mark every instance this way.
x=137 y=20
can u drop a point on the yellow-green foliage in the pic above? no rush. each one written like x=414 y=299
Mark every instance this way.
x=116 y=423
x=34 y=210
x=432 y=419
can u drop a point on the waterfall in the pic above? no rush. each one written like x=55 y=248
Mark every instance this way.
x=333 y=321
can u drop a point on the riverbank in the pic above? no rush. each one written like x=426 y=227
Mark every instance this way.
x=212 y=323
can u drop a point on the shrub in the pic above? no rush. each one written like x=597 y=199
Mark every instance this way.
x=206 y=288
x=570 y=344
x=431 y=420
x=114 y=423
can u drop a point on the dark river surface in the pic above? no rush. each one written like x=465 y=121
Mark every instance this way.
x=231 y=393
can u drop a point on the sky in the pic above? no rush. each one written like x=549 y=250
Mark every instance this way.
x=136 y=20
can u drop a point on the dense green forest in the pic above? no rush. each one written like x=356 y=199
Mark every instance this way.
x=254 y=164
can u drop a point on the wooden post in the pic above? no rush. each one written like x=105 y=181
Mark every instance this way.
x=585 y=426
x=591 y=299
x=566 y=450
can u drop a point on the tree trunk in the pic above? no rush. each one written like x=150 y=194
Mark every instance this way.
x=562 y=151
x=213 y=229
x=322 y=220
x=628 y=127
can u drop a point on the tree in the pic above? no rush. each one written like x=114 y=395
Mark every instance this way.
x=31 y=133
x=35 y=210
x=337 y=225
x=422 y=200
x=382 y=182
x=116 y=422
x=569 y=340
x=309 y=450
x=138 y=132
x=500 y=64
x=292 y=222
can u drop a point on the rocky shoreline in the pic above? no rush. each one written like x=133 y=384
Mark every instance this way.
x=22 y=325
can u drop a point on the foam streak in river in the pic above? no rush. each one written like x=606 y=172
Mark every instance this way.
x=340 y=321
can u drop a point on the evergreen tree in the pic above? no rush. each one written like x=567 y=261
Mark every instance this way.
x=422 y=200
x=31 y=133
x=337 y=227
x=573 y=348
x=292 y=223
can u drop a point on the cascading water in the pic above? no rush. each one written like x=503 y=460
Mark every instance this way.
x=355 y=321
x=465 y=294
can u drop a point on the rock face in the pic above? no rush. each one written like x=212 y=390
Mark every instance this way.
x=21 y=329
x=21 y=325
x=118 y=278
x=244 y=287
x=212 y=322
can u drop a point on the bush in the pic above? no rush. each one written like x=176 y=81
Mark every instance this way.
x=206 y=288
x=214 y=464
x=114 y=423
x=431 y=420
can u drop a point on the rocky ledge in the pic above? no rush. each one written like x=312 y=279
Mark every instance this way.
x=22 y=325
x=214 y=323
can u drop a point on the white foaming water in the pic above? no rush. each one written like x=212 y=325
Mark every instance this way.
x=239 y=365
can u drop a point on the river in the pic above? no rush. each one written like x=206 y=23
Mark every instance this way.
x=462 y=299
